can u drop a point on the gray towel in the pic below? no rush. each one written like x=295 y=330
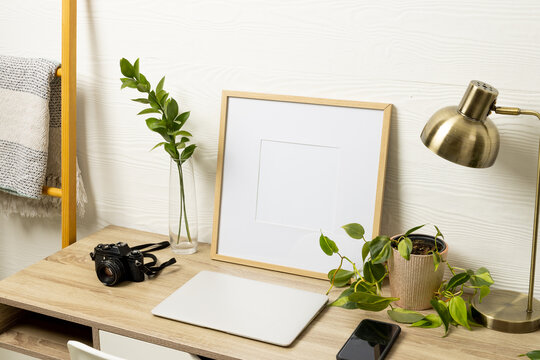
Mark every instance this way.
x=30 y=134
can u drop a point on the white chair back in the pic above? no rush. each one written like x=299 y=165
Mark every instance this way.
x=80 y=351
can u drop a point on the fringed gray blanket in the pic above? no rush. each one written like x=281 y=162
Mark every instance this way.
x=30 y=120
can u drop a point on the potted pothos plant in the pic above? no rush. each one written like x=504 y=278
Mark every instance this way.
x=364 y=282
x=165 y=118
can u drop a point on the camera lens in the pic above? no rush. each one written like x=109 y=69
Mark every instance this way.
x=110 y=272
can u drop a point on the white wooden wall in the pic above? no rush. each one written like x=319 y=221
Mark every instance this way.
x=417 y=54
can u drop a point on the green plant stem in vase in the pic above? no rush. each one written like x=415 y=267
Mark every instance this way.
x=167 y=121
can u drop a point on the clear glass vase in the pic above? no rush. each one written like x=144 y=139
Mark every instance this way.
x=182 y=208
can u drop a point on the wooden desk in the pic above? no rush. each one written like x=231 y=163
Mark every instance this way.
x=75 y=305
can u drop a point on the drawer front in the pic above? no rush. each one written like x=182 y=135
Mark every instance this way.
x=12 y=355
x=132 y=349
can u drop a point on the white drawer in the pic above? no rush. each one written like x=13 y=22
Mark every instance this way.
x=12 y=355
x=132 y=349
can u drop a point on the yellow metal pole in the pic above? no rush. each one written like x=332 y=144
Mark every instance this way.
x=69 y=114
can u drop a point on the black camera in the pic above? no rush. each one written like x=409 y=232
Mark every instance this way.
x=118 y=262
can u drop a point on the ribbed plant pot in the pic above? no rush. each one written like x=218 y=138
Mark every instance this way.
x=415 y=280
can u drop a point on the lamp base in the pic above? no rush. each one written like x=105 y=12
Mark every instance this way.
x=505 y=310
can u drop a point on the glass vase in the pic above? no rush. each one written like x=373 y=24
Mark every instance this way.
x=182 y=208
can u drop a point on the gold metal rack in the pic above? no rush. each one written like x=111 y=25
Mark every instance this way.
x=68 y=73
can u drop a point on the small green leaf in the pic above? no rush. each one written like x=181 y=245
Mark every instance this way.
x=365 y=250
x=405 y=248
x=171 y=149
x=436 y=260
x=141 y=100
x=370 y=302
x=376 y=247
x=404 y=316
x=458 y=311
x=383 y=255
x=128 y=83
x=152 y=100
x=158 y=145
x=136 y=73
x=439 y=233
x=481 y=277
x=533 y=355
x=342 y=277
x=410 y=231
x=428 y=322
x=188 y=151
x=354 y=230
x=159 y=86
x=457 y=280
x=172 y=110
x=149 y=111
x=126 y=68
x=154 y=124
x=343 y=300
x=441 y=309
x=374 y=273
x=182 y=133
x=182 y=118
x=484 y=291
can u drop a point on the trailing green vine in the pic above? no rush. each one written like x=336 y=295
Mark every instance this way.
x=364 y=287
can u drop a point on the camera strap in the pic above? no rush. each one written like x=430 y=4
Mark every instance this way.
x=150 y=269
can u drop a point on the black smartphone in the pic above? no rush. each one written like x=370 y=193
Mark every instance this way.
x=371 y=340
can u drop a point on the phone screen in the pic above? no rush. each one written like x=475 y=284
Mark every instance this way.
x=370 y=341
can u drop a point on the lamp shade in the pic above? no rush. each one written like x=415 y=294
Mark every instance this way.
x=464 y=134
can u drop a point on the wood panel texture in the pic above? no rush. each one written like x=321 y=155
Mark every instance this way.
x=65 y=286
x=418 y=55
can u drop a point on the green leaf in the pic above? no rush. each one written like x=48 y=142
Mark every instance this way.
x=458 y=311
x=128 y=83
x=439 y=233
x=141 y=100
x=183 y=133
x=188 y=151
x=410 y=231
x=159 y=86
x=158 y=145
x=374 y=273
x=441 y=309
x=126 y=68
x=404 y=316
x=405 y=248
x=136 y=70
x=144 y=85
x=342 y=277
x=172 y=110
x=149 y=111
x=171 y=149
x=470 y=318
x=428 y=322
x=162 y=96
x=371 y=302
x=533 y=355
x=328 y=246
x=457 y=280
x=380 y=249
x=153 y=100
x=182 y=118
x=436 y=260
x=154 y=124
x=481 y=277
x=354 y=230
x=484 y=291
x=343 y=300
x=365 y=250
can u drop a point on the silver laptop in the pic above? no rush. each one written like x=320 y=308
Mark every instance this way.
x=253 y=309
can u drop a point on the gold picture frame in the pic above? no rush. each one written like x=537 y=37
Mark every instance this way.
x=246 y=106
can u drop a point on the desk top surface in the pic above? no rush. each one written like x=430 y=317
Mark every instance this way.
x=64 y=285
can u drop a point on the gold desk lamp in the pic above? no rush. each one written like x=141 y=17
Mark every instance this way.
x=465 y=135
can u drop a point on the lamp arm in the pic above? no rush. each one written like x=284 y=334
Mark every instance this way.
x=517 y=111
x=504 y=110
